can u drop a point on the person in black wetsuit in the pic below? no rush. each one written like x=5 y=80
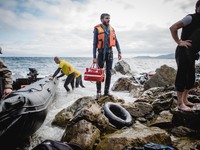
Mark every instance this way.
x=103 y=41
x=186 y=53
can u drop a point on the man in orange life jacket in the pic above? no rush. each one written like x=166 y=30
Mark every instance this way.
x=104 y=40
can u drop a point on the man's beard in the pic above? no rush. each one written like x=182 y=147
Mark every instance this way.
x=106 y=24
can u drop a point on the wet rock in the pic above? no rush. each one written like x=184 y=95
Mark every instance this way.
x=62 y=118
x=182 y=131
x=122 y=67
x=103 y=99
x=139 y=109
x=186 y=143
x=82 y=133
x=163 y=120
x=90 y=110
x=132 y=136
x=165 y=75
x=124 y=84
x=162 y=104
x=154 y=93
x=136 y=91
x=187 y=119
x=151 y=94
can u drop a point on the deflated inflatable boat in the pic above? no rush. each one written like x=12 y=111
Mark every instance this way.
x=23 y=112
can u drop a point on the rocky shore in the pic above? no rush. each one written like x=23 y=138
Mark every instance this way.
x=154 y=113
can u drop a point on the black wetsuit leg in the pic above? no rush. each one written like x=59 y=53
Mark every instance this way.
x=72 y=83
x=101 y=65
x=81 y=81
x=69 y=79
x=77 y=82
x=109 y=63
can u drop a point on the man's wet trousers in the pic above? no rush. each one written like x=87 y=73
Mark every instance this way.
x=108 y=61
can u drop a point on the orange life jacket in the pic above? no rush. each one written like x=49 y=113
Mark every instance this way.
x=101 y=37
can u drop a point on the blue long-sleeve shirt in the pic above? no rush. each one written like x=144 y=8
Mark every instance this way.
x=95 y=42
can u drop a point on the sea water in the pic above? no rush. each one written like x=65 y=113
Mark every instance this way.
x=46 y=67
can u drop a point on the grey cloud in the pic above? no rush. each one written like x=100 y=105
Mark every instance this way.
x=182 y=4
x=187 y=4
x=68 y=29
x=153 y=40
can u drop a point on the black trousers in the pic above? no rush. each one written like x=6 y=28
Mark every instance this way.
x=79 y=81
x=185 y=59
x=185 y=76
x=70 y=79
x=109 y=62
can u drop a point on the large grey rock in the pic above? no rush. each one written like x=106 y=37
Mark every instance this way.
x=62 y=118
x=187 y=119
x=139 y=109
x=162 y=104
x=186 y=143
x=82 y=133
x=163 y=120
x=84 y=108
x=164 y=76
x=182 y=131
x=136 y=136
x=125 y=84
x=122 y=67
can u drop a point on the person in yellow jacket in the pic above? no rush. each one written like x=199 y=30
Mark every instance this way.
x=79 y=80
x=66 y=69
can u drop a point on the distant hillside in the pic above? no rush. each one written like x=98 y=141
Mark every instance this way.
x=168 y=56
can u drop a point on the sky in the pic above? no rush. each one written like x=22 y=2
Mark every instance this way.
x=48 y=28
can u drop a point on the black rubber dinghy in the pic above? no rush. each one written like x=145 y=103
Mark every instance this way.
x=23 y=111
x=117 y=115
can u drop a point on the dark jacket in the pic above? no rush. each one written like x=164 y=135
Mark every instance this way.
x=192 y=27
x=5 y=73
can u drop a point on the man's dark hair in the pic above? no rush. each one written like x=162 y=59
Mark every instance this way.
x=197 y=3
x=103 y=15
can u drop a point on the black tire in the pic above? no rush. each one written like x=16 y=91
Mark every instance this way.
x=117 y=115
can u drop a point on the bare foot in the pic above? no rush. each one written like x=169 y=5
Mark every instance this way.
x=189 y=104
x=184 y=108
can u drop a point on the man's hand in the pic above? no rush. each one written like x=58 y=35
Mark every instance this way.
x=119 y=56
x=185 y=43
x=51 y=78
x=7 y=91
x=94 y=61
